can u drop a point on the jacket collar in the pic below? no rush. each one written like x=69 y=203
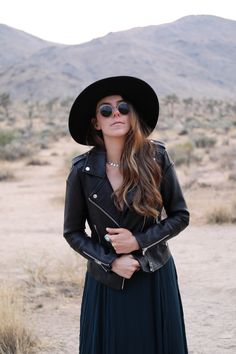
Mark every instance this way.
x=96 y=163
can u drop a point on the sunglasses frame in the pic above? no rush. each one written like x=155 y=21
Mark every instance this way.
x=113 y=108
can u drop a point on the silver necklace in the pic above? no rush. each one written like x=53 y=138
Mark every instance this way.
x=113 y=164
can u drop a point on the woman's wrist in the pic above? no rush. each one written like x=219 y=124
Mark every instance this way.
x=136 y=245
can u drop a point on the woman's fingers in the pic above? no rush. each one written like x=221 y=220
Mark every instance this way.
x=113 y=231
x=125 y=266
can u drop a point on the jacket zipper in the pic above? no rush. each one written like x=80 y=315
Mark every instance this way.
x=95 y=227
x=144 y=250
x=123 y=284
x=103 y=211
x=97 y=260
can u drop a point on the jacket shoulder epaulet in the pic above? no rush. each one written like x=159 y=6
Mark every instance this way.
x=159 y=144
x=80 y=158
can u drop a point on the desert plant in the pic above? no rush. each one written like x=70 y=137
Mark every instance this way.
x=48 y=273
x=232 y=176
x=6 y=175
x=5 y=102
x=15 y=337
x=6 y=137
x=37 y=162
x=15 y=150
x=222 y=214
x=170 y=101
x=182 y=153
x=72 y=269
x=30 y=113
x=38 y=272
x=204 y=141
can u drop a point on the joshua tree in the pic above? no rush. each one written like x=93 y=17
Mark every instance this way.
x=5 y=102
x=170 y=101
x=188 y=102
x=50 y=107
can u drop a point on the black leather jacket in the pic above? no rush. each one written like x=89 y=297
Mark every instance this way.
x=88 y=198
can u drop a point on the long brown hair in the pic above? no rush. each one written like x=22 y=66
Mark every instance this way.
x=139 y=169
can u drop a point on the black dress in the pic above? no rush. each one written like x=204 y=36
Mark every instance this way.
x=144 y=318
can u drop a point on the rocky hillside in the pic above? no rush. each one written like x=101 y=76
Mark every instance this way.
x=192 y=57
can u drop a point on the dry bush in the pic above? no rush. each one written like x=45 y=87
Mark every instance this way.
x=64 y=276
x=232 y=176
x=182 y=153
x=228 y=158
x=222 y=214
x=15 y=150
x=6 y=175
x=38 y=272
x=204 y=141
x=15 y=336
x=37 y=162
x=6 y=137
x=13 y=145
x=72 y=269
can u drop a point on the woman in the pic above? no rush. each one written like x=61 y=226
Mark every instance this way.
x=131 y=302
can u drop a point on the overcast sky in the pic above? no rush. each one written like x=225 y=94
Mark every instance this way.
x=78 y=21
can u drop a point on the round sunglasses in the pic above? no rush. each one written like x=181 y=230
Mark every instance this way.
x=106 y=109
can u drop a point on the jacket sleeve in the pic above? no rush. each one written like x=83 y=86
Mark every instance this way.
x=75 y=216
x=175 y=207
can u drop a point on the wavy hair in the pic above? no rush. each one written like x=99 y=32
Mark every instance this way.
x=140 y=172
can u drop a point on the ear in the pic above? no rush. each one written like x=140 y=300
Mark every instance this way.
x=95 y=124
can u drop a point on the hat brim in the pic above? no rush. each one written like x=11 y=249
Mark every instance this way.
x=136 y=91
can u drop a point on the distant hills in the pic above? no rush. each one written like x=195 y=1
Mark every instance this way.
x=194 y=56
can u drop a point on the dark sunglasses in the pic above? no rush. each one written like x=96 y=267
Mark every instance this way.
x=106 y=109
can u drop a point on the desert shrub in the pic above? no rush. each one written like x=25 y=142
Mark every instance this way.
x=204 y=141
x=182 y=153
x=183 y=132
x=192 y=123
x=68 y=272
x=6 y=137
x=232 y=176
x=15 y=150
x=227 y=157
x=15 y=337
x=6 y=175
x=14 y=145
x=37 y=162
x=222 y=214
x=49 y=135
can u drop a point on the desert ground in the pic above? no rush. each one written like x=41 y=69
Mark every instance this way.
x=37 y=262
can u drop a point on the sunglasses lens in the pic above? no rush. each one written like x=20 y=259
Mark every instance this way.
x=123 y=108
x=105 y=110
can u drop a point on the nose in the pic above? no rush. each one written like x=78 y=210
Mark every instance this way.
x=116 y=112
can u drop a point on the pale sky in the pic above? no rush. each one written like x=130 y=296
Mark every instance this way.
x=78 y=21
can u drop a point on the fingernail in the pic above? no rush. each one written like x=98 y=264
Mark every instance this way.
x=107 y=238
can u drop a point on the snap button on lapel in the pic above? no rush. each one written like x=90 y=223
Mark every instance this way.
x=95 y=196
x=87 y=168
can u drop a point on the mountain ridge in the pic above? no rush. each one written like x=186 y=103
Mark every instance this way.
x=194 y=56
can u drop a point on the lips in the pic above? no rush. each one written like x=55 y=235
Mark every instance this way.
x=115 y=123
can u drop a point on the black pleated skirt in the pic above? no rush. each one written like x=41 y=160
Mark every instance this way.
x=144 y=318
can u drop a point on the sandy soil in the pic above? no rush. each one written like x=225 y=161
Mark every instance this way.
x=31 y=218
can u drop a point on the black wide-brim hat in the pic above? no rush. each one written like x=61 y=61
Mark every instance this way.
x=136 y=91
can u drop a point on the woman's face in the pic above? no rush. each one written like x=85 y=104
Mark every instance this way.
x=117 y=124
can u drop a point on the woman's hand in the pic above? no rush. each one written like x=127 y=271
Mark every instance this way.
x=122 y=240
x=125 y=266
